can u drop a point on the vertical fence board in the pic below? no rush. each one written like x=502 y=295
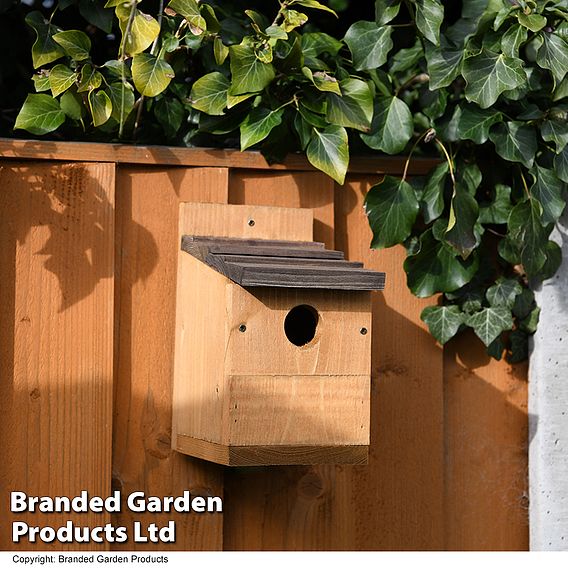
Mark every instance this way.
x=486 y=441
x=56 y=336
x=288 y=189
x=285 y=508
x=397 y=500
x=147 y=250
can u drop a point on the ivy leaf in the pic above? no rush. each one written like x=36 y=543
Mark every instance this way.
x=530 y=323
x=209 y=93
x=303 y=129
x=556 y=131
x=503 y=293
x=498 y=211
x=464 y=212
x=391 y=207
x=547 y=188
x=143 y=29
x=322 y=81
x=89 y=79
x=489 y=323
x=315 y=5
x=435 y=268
x=512 y=40
x=293 y=19
x=45 y=49
x=71 y=105
x=369 y=44
x=151 y=74
x=470 y=176
x=406 y=58
x=429 y=17
x=392 y=126
x=101 y=107
x=220 y=51
x=515 y=142
x=552 y=263
x=189 y=9
x=561 y=165
x=553 y=55
x=314 y=44
x=386 y=10
x=354 y=109
x=489 y=74
x=525 y=226
x=444 y=63
x=41 y=81
x=524 y=303
x=433 y=194
x=75 y=43
x=442 y=321
x=533 y=22
x=258 y=125
x=519 y=346
x=40 y=114
x=474 y=123
x=122 y=99
x=328 y=151
x=170 y=114
x=249 y=75
x=60 y=79
x=496 y=348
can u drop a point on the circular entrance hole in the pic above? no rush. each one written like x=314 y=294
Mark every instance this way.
x=300 y=324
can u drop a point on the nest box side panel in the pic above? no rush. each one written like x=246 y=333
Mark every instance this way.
x=341 y=344
x=199 y=380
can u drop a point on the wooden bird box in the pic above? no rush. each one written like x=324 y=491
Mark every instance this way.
x=273 y=341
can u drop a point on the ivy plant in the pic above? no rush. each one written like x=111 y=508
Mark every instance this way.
x=484 y=90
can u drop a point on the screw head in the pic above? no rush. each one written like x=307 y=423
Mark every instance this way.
x=251 y=222
x=242 y=328
x=363 y=331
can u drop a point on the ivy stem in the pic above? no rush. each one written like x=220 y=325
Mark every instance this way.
x=127 y=33
x=418 y=140
x=283 y=6
x=449 y=160
x=525 y=186
x=420 y=78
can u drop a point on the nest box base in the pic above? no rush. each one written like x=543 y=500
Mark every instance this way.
x=271 y=455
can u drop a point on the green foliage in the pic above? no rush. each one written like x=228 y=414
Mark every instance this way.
x=486 y=94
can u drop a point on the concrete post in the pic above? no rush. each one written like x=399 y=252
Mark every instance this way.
x=548 y=411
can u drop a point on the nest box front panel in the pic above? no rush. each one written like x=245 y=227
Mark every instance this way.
x=290 y=331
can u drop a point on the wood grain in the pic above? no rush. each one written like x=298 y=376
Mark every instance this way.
x=486 y=449
x=281 y=264
x=400 y=494
x=148 y=202
x=56 y=339
x=312 y=190
x=298 y=410
x=204 y=157
x=338 y=347
x=272 y=455
x=248 y=222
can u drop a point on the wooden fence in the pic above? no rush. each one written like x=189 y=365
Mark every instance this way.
x=87 y=303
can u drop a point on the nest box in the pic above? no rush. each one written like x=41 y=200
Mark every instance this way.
x=273 y=340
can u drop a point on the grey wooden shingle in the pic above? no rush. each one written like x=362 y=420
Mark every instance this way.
x=287 y=264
